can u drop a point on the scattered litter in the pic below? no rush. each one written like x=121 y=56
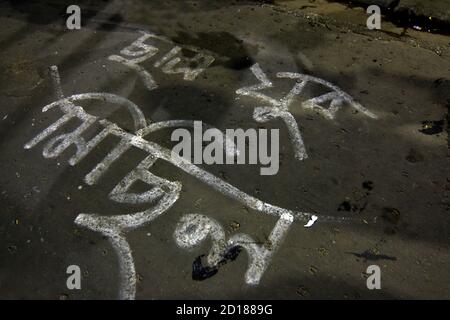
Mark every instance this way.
x=235 y=225
x=370 y=255
x=432 y=127
x=80 y=187
x=311 y=221
x=5 y=117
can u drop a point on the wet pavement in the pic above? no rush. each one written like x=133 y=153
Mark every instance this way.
x=376 y=177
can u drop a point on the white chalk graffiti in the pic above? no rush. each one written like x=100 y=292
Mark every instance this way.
x=280 y=108
x=194 y=228
x=173 y=62
x=162 y=194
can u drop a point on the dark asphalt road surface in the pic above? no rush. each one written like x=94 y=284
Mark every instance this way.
x=387 y=176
